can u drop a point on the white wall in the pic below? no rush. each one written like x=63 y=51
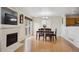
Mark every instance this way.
x=70 y=33
x=0 y=30
x=52 y=22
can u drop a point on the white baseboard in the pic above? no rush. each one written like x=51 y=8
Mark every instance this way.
x=75 y=44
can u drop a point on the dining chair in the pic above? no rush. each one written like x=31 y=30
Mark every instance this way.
x=49 y=34
x=41 y=33
x=55 y=34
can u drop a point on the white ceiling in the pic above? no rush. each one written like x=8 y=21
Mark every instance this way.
x=50 y=11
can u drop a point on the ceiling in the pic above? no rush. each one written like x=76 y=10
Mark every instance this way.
x=49 y=11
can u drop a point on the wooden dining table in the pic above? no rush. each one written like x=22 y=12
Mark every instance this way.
x=45 y=32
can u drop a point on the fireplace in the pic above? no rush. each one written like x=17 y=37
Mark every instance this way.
x=11 y=39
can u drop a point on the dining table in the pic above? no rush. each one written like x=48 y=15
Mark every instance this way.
x=46 y=32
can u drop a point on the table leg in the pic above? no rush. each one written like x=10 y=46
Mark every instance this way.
x=36 y=36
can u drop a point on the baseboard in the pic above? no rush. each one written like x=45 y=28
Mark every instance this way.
x=75 y=44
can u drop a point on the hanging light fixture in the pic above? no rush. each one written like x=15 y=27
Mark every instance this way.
x=45 y=17
x=44 y=21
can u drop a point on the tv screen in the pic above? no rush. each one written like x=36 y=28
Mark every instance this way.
x=10 y=19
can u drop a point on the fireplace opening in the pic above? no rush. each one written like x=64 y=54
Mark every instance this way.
x=11 y=39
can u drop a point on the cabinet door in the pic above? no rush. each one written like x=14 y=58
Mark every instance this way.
x=70 y=21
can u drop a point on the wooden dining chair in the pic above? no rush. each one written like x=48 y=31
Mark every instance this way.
x=55 y=34
x=41 y=33
x=49 y=34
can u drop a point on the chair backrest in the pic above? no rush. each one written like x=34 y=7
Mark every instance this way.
x=47 y=29
x=41 y=29
x=41 y=33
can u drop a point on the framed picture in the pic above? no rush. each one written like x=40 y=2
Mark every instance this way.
x=21 y=18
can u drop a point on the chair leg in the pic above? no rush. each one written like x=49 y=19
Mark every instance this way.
x=36 y=36
x=50 y=38
x=53 y=38
x=43 y=37
x=39 y=37
x=56 y=37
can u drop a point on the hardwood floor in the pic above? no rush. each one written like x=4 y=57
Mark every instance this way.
x=60 y=45
x=21 y=48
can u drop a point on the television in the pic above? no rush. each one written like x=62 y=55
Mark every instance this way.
x=10 y=19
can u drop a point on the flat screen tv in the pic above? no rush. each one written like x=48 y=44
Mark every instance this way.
x=10 y=19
